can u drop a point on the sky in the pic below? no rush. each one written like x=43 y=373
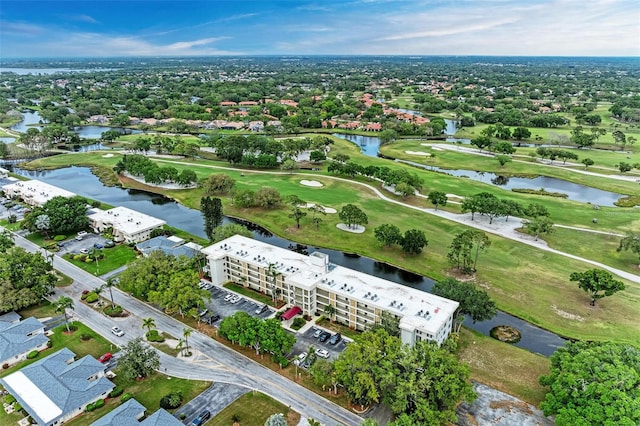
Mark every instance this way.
x=138 y=28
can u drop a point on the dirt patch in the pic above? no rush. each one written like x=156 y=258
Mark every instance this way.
x=508 y=406
x=567 y=315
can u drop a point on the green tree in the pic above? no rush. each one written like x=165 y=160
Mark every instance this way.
x=503 y=159
x=388 y=234
x=219 y=183
x=474 y=302
x=352 y=215
x=437 y=198
x=6 y=240
x=538 y=226
x=461 y=248
x=389 y=323
x=186 y=333
x=624 y=167
x=331 y=311
x=536 y=210
x=110 y=283
x=521 y=133
x=387 y=136
x=228 y=230
x=413 y=241
x=482 y=142
x=276 y=420
x=296 y=209
x=148 y=323
x=631 y=242
x=268 y=198
x=244 y=198
x=212 y=212
x=62 y=304
x=598 y=283
x=587 y=162
x=593 y=384
x=289 y=165
x=138 y=360
x=66 y=215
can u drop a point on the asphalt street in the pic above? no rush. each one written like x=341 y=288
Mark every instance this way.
x=211 y=360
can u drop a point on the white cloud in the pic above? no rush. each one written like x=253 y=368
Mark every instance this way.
x=21 y=28
x=237 y=17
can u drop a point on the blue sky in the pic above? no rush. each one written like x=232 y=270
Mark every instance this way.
x=90 y=28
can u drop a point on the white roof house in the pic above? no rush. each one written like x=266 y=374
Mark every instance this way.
x=128 y=225
x=57 y=388
x=18 y=338
x=35 y=192
x=312 y=282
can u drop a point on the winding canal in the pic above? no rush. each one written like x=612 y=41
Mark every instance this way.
x=81 y=181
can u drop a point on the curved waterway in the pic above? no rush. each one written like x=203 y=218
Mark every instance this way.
x=369 y=145
x=81 y=181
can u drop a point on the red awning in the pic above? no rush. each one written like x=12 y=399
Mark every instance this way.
x=291 y=312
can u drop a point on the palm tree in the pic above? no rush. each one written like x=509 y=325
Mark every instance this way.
x=148 y=323
x=186 y=333
x=273 y=273
x=331 y=311
x=111 y=282
x=62 y=304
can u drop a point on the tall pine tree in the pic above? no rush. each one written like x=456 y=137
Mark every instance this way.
x=212 y=212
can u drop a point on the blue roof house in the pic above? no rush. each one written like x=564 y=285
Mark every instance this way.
x=57 y=388
x=130 y=413
x=18 y=338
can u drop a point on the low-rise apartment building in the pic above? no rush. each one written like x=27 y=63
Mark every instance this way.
x=312 y=283
x=34 y=192
x=127 y=225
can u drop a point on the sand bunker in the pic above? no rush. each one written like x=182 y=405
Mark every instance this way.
x=329 y=210
x=426 y=154
x=107 y=156
x=356 y=229
x=313 y=183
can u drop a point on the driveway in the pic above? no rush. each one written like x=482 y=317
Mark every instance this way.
x=305 y=340
x=215 y=399
x=74 y=246
x=218 y=306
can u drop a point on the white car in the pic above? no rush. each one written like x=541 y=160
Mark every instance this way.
x=117 y=331
x=317 y=333
x=322 y=353
x=228 y=297
x=235 y=299
x=80 y=235
x=298 y=360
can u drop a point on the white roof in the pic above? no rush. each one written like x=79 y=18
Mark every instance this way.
x=44 y=407
x=417 y=308
x=38 y=191
x=127 y=221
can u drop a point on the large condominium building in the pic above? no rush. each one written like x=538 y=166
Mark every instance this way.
x=312 y=282
x=34 y=192
x=127 y=225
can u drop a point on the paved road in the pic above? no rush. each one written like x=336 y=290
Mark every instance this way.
x=211 y=360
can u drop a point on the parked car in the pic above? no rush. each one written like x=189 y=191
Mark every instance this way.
x=235 y=299
x=105 y=358
x=322 y=353
x=109 y=243
x=301 y=356
x=84 y=251
x=117 y=331
x=80 y=235
x=214 y=318
x=335 y=339
x=201 y=284
x=203 y=312
x=202 y=418
x=324 y=336
x=98 y=246
x=261 y=309
x=317 y=333
x=228 y=297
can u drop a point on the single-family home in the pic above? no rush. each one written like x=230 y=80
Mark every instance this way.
x=172 y=245
x=19 y=337
x=130 y=414
x=57 y=388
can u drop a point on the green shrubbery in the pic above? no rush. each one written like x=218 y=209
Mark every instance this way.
x=117 y=391
x=154 y=336
x=92 y=297
x=9 y=399
x=59 y=238
x=298 y=323
x=127 y=396
x=113 y=311
x=171 y=401
x=32 y=354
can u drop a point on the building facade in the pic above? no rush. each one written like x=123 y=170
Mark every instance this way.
x=34 y=192
x=127 y=225
x=19 y=337
x=313 y=283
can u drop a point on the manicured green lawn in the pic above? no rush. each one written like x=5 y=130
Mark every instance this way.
x=114 y=258
x=253 y=409
x=43 y=310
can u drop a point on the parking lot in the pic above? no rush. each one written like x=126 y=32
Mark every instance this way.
x=73 y=245
x=306 y=339
x=224 y=308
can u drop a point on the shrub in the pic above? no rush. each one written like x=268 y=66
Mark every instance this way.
x=9 y=399
x=85 y=336
x=84 y=295
x=183 y=416
x=320 y=319
x=50 y=343
x=99 y=403
x=32 y=354
x=172 y=400
x=59 y=238
x=17 y=407
x=78 y=257
x=127 y=396
x=298 y=323
x=5 y=366
x=92 y=297
x=117 y=391
x=154 y=336
x=90 y=407
x=113 y=311
x=13 y=218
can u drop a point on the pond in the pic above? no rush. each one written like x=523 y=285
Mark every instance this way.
x=32 y=119
x=81 y=181
x=369 y=145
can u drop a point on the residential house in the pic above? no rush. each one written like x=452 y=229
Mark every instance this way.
x=256 y=126
x=172 y=245
x=57 y=388
x=18 y=338
x=130 y=414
